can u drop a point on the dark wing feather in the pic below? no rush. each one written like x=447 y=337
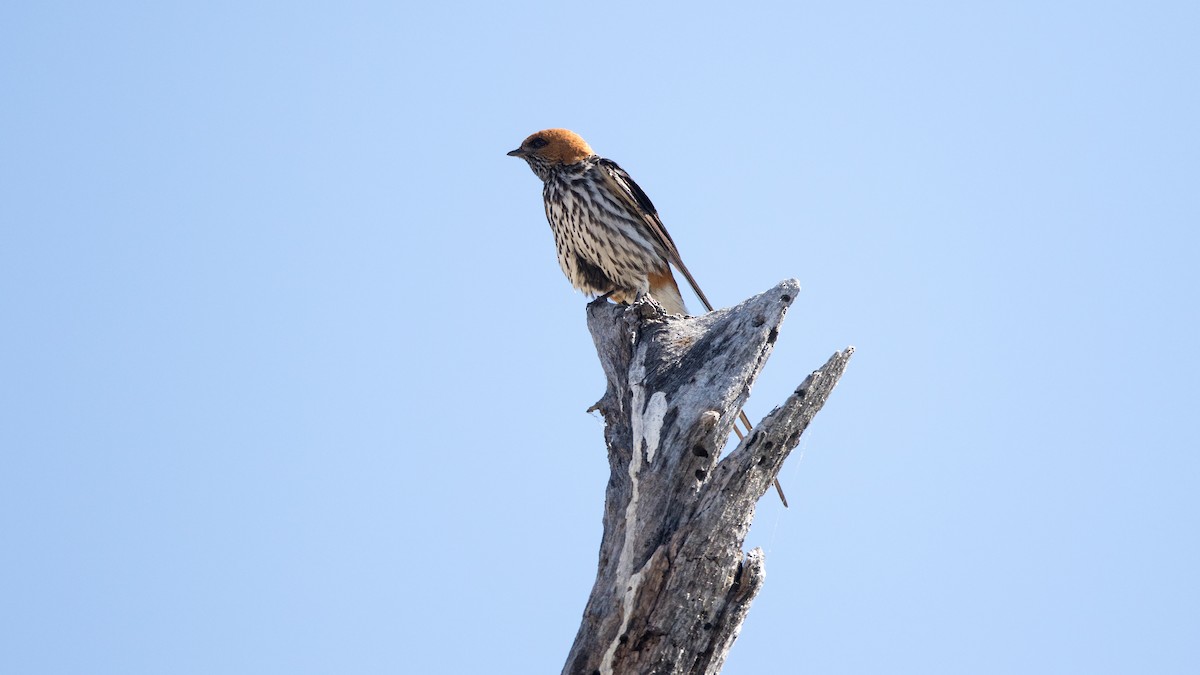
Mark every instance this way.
x=639 y=203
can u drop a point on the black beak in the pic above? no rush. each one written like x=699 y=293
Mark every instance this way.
x=516 y=153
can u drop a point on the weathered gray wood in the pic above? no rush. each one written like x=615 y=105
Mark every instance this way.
x=673 y=585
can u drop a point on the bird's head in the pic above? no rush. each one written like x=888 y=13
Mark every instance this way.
x=552 y=147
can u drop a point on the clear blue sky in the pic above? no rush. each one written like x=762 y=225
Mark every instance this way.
x=290 y=381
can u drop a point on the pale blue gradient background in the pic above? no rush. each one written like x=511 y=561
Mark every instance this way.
x=291 y=382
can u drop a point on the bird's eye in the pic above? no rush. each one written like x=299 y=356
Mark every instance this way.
x=538 y=142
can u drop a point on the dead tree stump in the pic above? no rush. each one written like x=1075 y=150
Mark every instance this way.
x=673 y=585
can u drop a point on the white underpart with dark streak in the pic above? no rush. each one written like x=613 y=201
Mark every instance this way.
x=591 y=225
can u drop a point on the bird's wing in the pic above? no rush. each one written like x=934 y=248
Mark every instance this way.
x=623 y=186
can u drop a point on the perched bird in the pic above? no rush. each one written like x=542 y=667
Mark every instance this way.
x=609 y=238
